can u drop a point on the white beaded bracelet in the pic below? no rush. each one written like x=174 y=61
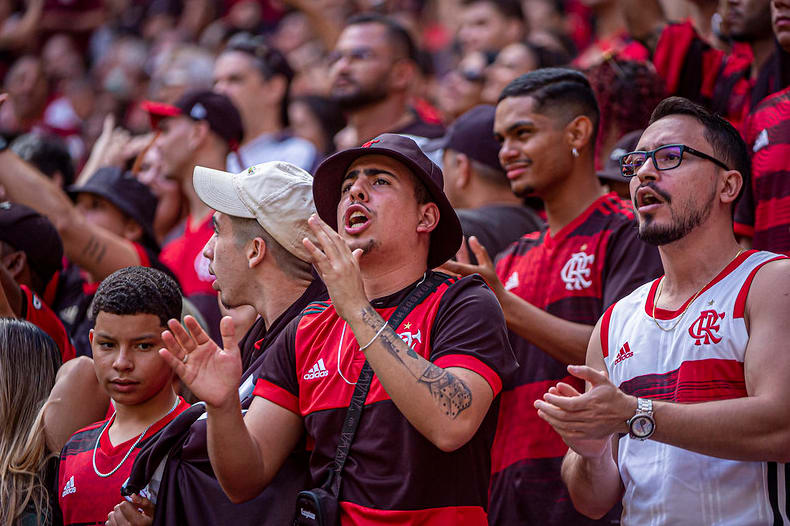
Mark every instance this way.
x=374 y=337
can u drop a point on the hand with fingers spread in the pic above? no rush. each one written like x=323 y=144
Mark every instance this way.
x=210 y=372
x=338 y=268
x=139 y=512
x=485 y=266
x=587 y=421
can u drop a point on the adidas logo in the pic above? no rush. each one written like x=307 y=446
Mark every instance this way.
x=761 y=141
x=69 y=488
x=623 y=353
x=316 y=371
x=512 y=281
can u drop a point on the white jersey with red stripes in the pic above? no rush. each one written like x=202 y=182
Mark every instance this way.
x=699 y=360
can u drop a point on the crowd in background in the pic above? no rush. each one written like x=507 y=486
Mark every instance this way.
x=102 y=178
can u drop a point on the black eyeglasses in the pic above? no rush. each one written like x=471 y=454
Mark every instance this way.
x=666 y=157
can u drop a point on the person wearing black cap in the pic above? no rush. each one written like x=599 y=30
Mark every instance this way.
x=476 y=185
x=202 y=128
x=109 y=227
x=30 y=255
x=421 y=452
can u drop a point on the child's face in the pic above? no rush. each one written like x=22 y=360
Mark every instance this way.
x=126 y=357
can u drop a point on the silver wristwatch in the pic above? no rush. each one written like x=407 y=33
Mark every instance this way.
x=642 y=425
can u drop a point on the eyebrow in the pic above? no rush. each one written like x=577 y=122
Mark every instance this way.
x=368 y=172
x=144 y=336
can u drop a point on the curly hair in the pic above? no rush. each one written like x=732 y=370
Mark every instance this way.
x=627 y=91
x=138 y=290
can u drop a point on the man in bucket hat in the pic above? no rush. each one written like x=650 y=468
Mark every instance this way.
x=421 y=451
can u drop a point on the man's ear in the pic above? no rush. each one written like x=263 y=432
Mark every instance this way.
x=402 y=74
x=198 y=135
x=15 y=263
x=579 y=132
x=732 y=181
x=255 y=252
x=463 y=171
x=132 y=230
x=429 y=217
x=275 y=88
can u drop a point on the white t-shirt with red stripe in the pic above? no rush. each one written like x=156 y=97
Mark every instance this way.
x=700 y=360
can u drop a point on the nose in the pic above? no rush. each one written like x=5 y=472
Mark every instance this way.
x=507 y=151
x=123 y=360
x=647 y=172
x=359 y=190
x=208 y=249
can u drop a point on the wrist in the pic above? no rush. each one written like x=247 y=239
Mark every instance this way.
x=229 y=404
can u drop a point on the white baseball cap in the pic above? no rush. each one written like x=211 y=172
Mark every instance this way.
x=277 y=194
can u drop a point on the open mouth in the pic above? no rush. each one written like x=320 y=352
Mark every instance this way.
x=357 y=219
x=646 y=197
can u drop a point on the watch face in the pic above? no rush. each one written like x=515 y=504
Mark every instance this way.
x=642 y=426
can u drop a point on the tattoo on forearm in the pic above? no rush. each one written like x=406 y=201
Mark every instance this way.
x=451 y=393
x=95 y=249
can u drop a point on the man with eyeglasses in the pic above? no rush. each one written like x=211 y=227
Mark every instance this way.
x=372 y=72
x=257 y=78
x=685 y=413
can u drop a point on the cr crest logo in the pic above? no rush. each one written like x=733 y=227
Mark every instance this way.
x=410 y=338
x=703 y=328
x=576 y=272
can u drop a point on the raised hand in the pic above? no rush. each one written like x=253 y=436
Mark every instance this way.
x=338 y=268
x=586 y=421
x=485 y=266
x=139 y=512
x=210 y=372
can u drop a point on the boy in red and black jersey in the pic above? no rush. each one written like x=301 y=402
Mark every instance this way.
x=130 y=309
x=553 y=285
x=429 y=414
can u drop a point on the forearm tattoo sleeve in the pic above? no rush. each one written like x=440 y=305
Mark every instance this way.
x=448 y=391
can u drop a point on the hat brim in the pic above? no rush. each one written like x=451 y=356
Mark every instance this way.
x=611 y=175
x=217 y=189
x=445 y=238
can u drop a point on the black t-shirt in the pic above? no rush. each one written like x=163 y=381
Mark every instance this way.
x=497 y=226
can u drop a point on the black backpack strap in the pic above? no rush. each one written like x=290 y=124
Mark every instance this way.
x=354 y=413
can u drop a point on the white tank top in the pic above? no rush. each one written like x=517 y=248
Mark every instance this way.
x=700 y=360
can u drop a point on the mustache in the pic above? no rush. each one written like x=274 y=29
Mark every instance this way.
x=650 y=184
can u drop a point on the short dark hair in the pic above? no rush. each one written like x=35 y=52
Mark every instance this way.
x=138 y=290
x=508 y=8
x=728 y=145
x=398 y=35
x=269 y=61
x=558 y=89
x=48 y=153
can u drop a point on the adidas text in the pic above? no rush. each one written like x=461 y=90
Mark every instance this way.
x=317 y=371
x=69 y=488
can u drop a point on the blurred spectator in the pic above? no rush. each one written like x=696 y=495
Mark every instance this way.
x=515 y=60
x=202 y=128
x=490 y=25
x=29 y=360
x=476 y=185
x=610 y=38
x=318 y=120
x=30 y=256
x=61 y=60
x=461 y=88
x=48 y=153
x=627 y=91
x=179 y=69
x=257 y=78
x=611 y=175
x=372 y=69
x=27 y=91
x=170 y=210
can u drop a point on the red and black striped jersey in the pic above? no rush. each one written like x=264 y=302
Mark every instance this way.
x=83 y=496
x=697 y=71
x=574 y=274
x=394 y=475
x=763 y=213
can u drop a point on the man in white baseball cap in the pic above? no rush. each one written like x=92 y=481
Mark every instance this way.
x=257 y=258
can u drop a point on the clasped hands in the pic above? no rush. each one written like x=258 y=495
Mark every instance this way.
x=586 y=421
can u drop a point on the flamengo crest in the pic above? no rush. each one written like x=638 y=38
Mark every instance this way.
x=576 y=272
x=703 y=328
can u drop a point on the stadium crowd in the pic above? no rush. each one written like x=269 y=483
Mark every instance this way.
x=360 y=262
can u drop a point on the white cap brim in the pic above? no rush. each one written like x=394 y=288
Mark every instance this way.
x=216 y=189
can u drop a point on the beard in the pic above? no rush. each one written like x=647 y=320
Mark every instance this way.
x=360 y=97
x=682 y=223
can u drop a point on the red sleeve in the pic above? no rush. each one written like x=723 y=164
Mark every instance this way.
x=473 y=364
x=145 y=261
x=38 y=313
x=671 y=57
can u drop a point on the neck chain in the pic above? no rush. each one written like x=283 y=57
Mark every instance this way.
x=680 y=318
x=98 y=439
x=343 y=334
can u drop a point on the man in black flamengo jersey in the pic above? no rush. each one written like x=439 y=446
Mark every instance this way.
x=421 y=451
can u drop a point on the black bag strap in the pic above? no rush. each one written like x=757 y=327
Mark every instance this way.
x=354 y=413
